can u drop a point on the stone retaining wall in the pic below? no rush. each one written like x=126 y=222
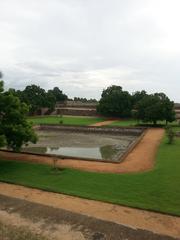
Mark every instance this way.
x=44 y=158
x=90 y=129
x=76 y=112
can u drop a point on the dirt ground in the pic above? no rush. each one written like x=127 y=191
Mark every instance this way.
x=104 y=123
x=135 y=218
x=140 y=159
x=22 y=219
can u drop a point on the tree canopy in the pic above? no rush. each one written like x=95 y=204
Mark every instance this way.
x=58 y=94
x=115 y=102
x=36 y=97
x=15 y=130
x=154 y=107
x=138 y=96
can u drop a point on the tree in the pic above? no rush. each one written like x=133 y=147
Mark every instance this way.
x=170 y=134
x=167 y=108
x=115 y=102
x=59 y=95
x=35 y=97
x=15 y=130
x=154 y=107
x=85 y=100
x=138 y=96
x=50 y=100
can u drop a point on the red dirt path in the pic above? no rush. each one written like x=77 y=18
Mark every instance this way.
x=155 y=222
x=104 y=123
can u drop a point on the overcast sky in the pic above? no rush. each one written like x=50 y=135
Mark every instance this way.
x=83 y=46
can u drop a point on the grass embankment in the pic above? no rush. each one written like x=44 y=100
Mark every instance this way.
x=65 y=120
x=156 y=190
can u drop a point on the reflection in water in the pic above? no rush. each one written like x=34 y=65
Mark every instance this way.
x=108 y=152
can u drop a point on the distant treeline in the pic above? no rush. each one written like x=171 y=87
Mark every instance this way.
x=37 y=98
x=115 y=102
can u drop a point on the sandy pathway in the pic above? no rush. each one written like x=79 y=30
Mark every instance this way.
x=104 y=123
x=155 y=222
x=140 y=159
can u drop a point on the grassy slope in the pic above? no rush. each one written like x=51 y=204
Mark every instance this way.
x=156 y=190
x=66 y=120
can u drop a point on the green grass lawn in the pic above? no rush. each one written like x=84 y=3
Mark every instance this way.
x=157 y=190
x=67 y=120
x=134 y=122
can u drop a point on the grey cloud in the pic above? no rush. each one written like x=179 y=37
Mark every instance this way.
x=84 y=46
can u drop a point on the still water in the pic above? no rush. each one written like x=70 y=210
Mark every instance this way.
x=108 y=152
x=82 y=145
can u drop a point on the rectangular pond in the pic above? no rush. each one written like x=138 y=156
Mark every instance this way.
x=87 y=145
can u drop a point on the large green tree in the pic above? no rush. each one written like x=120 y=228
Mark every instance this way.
x=115 y=102
x=155 y=107
x=138 y=96
x=35 y=97
x=15 y=130
x=58 y=94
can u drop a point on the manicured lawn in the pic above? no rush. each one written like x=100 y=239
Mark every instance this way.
x=67 y=120
x=157 y=190
x=134 y=122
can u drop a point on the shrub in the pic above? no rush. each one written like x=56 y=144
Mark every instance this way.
x=170 y=134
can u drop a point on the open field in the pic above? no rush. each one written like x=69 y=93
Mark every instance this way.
x=156 y=190
x=67 y=120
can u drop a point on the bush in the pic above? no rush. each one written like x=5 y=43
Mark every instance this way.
x=170 y=134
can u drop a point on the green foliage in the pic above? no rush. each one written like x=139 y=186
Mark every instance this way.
x=156 y=190
x=50 y=101
x=15 y=130
x=85 y=100
x=138 y=96
x=37 y=98
x=2 y=141
x=115 y=102
x=155 y=107
x=1 y=86
x=58 y=94
x=170 y=134
x=134 y=122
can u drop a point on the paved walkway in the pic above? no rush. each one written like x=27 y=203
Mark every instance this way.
x=155 y=222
